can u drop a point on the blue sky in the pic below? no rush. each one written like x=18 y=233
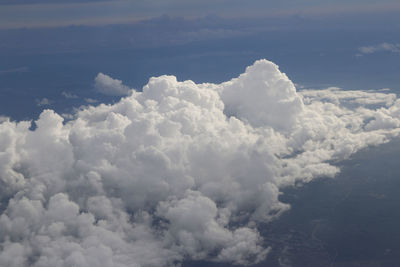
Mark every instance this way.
x=316 y=43
x=23 y=13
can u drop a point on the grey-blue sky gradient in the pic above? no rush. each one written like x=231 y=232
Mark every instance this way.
x=14 y=14
x=205 y=49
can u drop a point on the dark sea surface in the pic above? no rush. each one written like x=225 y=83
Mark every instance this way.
x=348 y=221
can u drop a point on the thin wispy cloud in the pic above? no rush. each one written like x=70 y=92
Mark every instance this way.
x=64 y=13
x=91 y=100
x=43 y=102
x=69 y=95
x=34 y=2
x=382 y=47
x=14 y=70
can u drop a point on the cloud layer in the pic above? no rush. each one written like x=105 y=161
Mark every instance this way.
x=177 y=171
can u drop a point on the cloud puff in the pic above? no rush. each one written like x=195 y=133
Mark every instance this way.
x=109 y=86
x=177 y=171
x=91 y=100
x=383 y=47
x=3 y=118
x=43 y=102
x=68 y=95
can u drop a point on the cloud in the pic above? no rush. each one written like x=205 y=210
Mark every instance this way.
x=341 y=97
x=91 y=100
x=43 y=102
x=250 y=98
x=3 y=118
x=109 y=86
x=30 y=2
x=68 y=95
x=60 y=13
x=14 y=70
x=178 y=171
x=383 y=47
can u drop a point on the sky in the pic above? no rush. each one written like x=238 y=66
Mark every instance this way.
x=16 y=14
x=160 y=133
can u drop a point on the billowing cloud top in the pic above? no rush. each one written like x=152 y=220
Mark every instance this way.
x=178 y=171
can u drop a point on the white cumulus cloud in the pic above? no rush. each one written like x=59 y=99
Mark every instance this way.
x=3 y=118
x=178 y=171
x=109 y=86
